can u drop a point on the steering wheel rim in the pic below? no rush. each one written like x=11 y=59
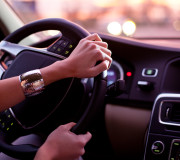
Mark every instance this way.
x=98 y=93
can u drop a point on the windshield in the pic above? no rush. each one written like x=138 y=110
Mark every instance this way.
x=132 y=18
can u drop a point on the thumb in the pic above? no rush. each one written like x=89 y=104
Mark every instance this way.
x=68 y=126
x=88 y=136
x=99 y=68
x=85 y=137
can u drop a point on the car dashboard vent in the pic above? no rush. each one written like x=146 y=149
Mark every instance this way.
x=170 y=113
x=174 y=114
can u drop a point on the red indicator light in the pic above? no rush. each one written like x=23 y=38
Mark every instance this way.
x=129 y=74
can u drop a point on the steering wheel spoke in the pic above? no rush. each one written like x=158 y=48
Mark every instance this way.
x=14 y=49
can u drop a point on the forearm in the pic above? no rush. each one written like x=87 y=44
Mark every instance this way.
x=56 y=71
x=11 y=93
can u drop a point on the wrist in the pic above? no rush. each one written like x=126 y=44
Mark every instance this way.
x=64 y=68
x=41 y=154
x=32 y=82
x=44 y=153
x=57 y=71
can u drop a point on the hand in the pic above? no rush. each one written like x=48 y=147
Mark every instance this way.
x=62 y=144
x=89 y=51
x=82 y=61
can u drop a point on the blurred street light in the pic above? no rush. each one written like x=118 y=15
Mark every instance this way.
x=114 y=28
x=176 y=25
x=129 y=28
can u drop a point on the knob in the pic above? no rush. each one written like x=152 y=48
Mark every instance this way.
x=157 y=147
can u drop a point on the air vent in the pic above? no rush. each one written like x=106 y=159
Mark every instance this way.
x=170 y=113
x=174 y=113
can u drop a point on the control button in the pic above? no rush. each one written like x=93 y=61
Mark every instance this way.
x=157 y=147
x=176 y=144
x=3 y=125
x=145 y=85
x=66 y=52
x=53 y=47
x=149 y=72
x=64 y=44
x=59 y=42
x=70 y=46
x=59 y=50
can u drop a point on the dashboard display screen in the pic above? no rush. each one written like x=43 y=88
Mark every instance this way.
x=114 y=73
x=111 y=76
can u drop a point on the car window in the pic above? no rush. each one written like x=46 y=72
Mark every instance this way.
x=131 y=18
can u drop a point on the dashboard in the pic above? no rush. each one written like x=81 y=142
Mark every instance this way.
x=154 y=85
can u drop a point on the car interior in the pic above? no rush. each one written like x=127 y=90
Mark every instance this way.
x=132 y=109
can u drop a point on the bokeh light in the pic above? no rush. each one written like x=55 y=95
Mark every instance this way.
x=105 y=3
x=176 y=25
x=129 y=28
x=154 y=18
x=51 y=32
x=114 y=28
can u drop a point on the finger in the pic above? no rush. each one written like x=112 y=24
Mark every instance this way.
x=94 y=71
x=101 y=56
x=108 y=63
x=85 y=138
x=107 y=51
x=68 y=126
x=93 y=37
x=100 y=43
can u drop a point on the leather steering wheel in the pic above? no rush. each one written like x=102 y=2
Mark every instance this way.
x=34 y=113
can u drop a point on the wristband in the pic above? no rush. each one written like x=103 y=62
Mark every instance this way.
x=32 y=83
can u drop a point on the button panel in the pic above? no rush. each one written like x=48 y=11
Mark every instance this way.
x=62 y=46
x=175 y=150
x=7 y=122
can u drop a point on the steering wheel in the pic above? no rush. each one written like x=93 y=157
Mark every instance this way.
x=35 y=113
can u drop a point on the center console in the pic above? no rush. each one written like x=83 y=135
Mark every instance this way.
x=163 y=139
